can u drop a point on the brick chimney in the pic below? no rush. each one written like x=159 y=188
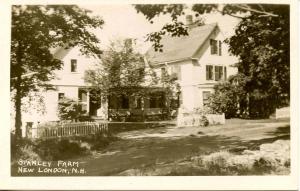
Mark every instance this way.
x=189 y=20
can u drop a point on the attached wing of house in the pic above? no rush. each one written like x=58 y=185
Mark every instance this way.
x=200 y=60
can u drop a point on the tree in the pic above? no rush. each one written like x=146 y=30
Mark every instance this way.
x=229 y=97
x=124 y=72
x=69 y=109
x=177 y=28
x=36 y=30
x=121 y=71
x=263 y=46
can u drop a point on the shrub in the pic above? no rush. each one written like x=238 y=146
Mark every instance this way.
x=28 y=153
x=69 y=109
x=270 y=159
x=98 y=141
x=204 y=121
x=54 y=149
x=23 y=149
x=224 y=99
x=263 y=165
x=58 y=149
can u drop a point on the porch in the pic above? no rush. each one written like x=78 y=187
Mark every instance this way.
x=154 y=105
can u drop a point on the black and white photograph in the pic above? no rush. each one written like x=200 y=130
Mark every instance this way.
x=154 y=89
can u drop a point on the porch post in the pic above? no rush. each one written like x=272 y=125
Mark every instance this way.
x=104 y=105
x=143 y=108
x=88 y=102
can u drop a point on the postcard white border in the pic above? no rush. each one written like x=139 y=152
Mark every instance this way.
x=145 y=183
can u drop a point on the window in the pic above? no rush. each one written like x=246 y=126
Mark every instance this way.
x=218 y=73
x=61 y=96
x=176 y=70
x=156 y=100
x=73 y=65
x=82 y=95
x=206 y=95
x=220 y=48
x=161 y=101
x=138 y=103
x=213 y=46
x=209 y=72
x=152 y=102
x=125 y=102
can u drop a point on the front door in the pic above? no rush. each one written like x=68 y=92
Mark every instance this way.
x=95 y=102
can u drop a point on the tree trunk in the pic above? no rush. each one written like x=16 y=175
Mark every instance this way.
x=18 y=103
x=18 y=96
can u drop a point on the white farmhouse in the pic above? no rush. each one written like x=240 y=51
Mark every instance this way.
x=200 y=60
x=68 y=82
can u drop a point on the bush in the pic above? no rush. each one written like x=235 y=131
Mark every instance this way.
x=55 y=149
x=204 y=121
x=69 y=109
x=58 y=149
x=28 y=153
x=272 y=158
x=23 y=149
x=224 y=99
x=97 y=141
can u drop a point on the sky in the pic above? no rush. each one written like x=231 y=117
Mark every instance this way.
x=122 y=21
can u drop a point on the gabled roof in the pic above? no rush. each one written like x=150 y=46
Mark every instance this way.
x=179 y=48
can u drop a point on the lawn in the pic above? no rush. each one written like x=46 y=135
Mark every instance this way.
x=166 y=145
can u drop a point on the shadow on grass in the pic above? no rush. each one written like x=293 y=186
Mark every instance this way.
x=142 y=152
x=280 y=131
x=150 y=151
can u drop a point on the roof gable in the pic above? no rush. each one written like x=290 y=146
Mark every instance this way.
x=178 y=48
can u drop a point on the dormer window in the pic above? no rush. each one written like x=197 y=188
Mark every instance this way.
x=215 y=47
x=73 y=65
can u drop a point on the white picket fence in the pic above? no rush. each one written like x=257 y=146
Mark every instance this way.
x=282 y=113
x=67 y=129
